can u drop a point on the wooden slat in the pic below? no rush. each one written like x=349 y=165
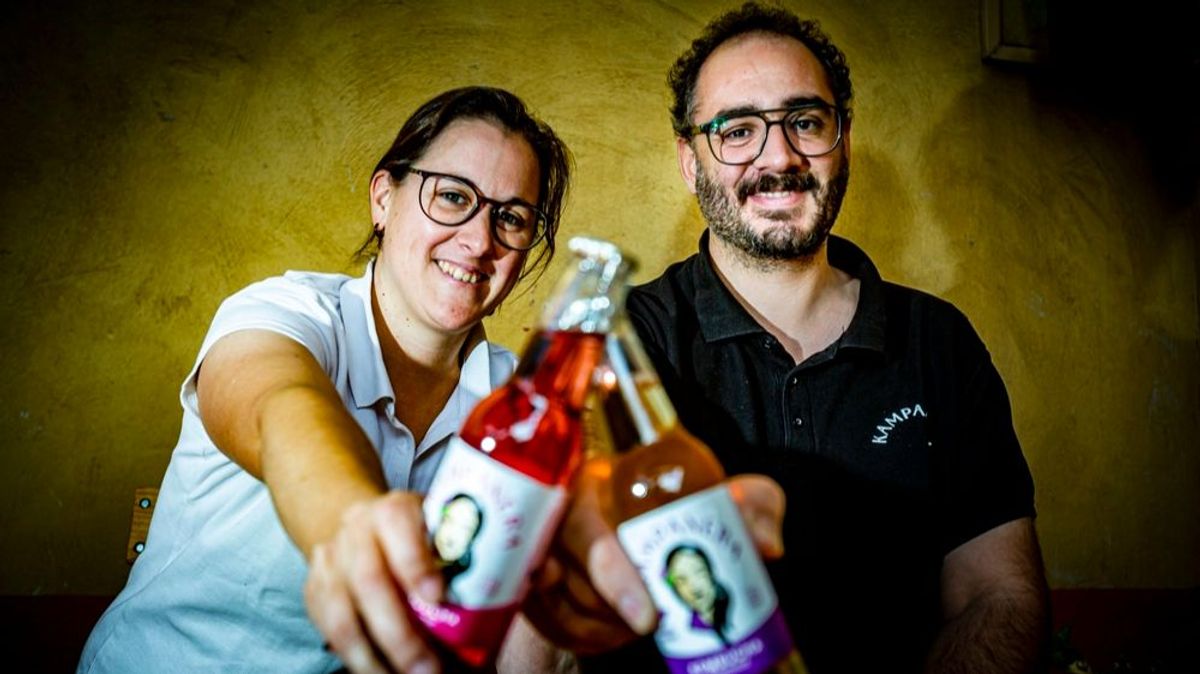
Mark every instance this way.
x=144 y=500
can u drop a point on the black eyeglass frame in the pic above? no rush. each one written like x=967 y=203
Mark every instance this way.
x=707 y=127
x=541 y=222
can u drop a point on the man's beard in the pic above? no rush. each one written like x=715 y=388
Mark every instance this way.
x=777 y=243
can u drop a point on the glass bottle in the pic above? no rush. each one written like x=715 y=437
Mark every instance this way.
x=500 y=490
x=718 y=612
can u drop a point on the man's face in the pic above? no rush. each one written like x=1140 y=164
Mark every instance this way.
x=783 y=204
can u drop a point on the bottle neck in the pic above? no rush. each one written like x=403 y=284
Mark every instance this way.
x=639 y=410
x=559 y=364
x=561 y=358
x=591 y=291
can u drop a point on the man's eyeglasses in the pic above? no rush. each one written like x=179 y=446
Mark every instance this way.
x=812 y=130
x=450 y=200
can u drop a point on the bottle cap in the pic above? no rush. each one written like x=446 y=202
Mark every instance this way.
x=591 y=293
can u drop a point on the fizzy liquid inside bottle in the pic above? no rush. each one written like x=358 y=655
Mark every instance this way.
x=533 y=423
x=659 y=464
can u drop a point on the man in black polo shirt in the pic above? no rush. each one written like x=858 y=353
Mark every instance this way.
x=909 y=531
x=876 y=407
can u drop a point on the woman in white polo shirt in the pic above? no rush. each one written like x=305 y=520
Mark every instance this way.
x=316 y=413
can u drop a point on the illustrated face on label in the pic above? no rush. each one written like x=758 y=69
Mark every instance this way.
x=689 y=574
x=718 y=613
x=486 y=523
x=459 y=526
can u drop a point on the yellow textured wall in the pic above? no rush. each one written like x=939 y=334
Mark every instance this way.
x=157 y=158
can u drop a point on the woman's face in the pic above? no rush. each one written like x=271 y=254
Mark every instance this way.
x=693 y=581
x=460 y=523
x=448 y=278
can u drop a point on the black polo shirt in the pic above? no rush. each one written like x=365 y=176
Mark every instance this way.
x=894 y=445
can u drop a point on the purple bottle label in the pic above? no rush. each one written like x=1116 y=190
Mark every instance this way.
x=718 y=610
x=764 y=647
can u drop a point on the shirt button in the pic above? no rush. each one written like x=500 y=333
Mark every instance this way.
x=797 y=421
x=768 y=342
x=794 y=380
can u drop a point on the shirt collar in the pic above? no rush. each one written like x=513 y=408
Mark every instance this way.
x=368 y=377
x=476 y=379
x=369 y=381
x=867 y=328
x=719 y=313
x=722 y=317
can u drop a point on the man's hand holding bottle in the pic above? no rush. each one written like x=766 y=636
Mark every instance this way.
x=588 y=597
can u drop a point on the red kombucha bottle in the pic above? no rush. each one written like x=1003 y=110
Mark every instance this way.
x=501 y=488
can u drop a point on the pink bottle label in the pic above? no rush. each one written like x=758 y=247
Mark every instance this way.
x=489 y=525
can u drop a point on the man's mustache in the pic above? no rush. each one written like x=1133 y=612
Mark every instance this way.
x=783 y=182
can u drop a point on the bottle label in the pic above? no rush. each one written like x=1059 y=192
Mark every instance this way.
x=489 y=524
x=718 y=612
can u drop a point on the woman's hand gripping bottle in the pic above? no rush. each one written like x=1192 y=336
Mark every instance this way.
x=500 y=490
x=718 y=612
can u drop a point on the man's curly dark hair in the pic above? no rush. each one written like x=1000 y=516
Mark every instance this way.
x=754 y=17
